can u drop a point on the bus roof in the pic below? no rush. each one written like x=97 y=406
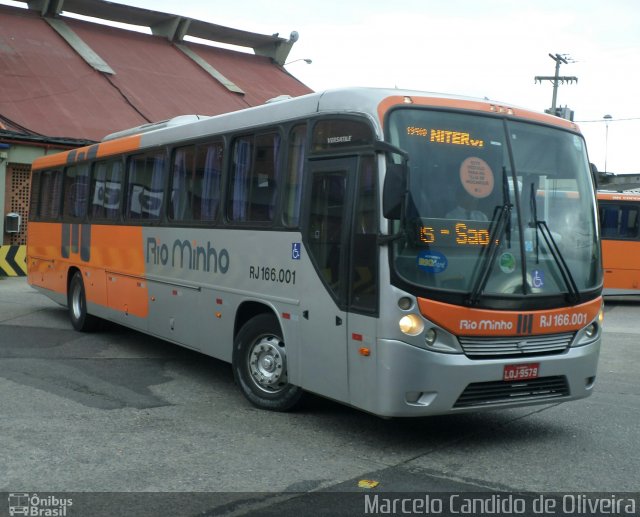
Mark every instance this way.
x=374 y=101
x=622 y=195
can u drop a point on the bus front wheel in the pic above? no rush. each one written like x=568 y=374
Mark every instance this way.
x=260 y=365
x=77 y=304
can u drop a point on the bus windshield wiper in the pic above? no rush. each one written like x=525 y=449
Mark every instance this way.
x=534 y=212
x=507 y=201
x=552 y=245
x=501 y=225
x=502 y=221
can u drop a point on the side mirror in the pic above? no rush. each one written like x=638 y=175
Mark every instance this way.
x=394 y=190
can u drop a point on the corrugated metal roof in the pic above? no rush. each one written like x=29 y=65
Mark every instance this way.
x=156 y=20
x=46 y=88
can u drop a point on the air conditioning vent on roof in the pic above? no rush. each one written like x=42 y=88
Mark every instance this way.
x=153 y=126
x=278 y=99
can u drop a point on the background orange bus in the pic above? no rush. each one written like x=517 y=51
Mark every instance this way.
x=619 y=214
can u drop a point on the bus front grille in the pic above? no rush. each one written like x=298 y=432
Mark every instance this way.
x=515 y=346
x=504 y=392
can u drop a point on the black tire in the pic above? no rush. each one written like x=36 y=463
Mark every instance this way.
x=260 y=365
x=77 y=304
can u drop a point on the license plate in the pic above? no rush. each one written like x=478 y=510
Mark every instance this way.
x=521 y=372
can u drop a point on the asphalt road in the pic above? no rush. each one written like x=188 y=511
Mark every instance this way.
x=163 y=430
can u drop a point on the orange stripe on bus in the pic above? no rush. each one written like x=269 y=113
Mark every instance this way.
x=50 y=160
x=464 y=321
x=121 y=145
x=617 y=196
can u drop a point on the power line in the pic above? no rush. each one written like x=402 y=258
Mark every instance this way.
x=607 y=120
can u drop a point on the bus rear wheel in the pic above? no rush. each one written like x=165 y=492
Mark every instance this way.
x=77 y=304
x=260 y=365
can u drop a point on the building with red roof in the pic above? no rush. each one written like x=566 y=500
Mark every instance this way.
x=66 y=82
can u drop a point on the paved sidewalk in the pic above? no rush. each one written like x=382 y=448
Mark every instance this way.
x=20 y=304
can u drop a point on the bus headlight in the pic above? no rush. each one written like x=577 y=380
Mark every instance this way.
x=588 y=334
x=411 y=325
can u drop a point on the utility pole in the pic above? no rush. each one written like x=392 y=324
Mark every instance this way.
x=557 y=78
x=606 y=118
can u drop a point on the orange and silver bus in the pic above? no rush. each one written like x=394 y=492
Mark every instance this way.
x=619 y=218
x=401 y=252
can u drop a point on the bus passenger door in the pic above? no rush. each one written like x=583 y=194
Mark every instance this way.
x=323 y=355
x=363 y=288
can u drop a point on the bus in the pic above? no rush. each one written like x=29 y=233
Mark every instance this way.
x=330 y=244
x=18 y=503
x=618 y=213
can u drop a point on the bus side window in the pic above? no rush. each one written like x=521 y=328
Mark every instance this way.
x=76 y=191
x=326 y=221
x=106 y=186
x=50 y=194
x=208 y=181
x=240 y=170
x=619 y=221
x=608 y=221
x=145 y=186
x=263 y=185
x=98 y=190
x=252 y=192
x=295 y=168
x=34 y=202
x=181 y=184
x=629 y=222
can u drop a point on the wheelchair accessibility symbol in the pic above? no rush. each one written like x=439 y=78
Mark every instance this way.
x=295 y=250
x=537 y=277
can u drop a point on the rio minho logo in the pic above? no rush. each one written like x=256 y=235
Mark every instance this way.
x=21 y=503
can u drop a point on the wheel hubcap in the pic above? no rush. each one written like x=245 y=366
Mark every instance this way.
x=267 y=361
x=76 y=302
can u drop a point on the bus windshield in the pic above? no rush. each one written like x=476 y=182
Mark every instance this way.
x=496 y=208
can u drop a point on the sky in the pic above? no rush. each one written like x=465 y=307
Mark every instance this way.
x=489 y=48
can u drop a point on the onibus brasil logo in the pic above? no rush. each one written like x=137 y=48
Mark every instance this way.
x=22 y=503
